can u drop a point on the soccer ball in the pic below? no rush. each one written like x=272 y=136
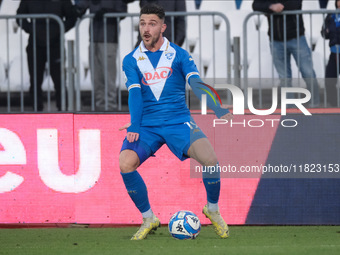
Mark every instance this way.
x=184 y=225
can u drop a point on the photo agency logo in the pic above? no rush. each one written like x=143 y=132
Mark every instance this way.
x=287 y=98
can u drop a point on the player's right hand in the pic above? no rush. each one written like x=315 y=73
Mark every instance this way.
x=130 y=136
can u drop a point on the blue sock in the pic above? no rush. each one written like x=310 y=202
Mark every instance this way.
x=212 y=183
x=137 y=190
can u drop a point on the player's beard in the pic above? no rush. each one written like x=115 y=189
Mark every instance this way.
x=153 y=41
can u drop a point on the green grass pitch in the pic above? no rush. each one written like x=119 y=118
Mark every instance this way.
x=307 y=240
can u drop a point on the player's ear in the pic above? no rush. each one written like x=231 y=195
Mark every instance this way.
x=163 y=27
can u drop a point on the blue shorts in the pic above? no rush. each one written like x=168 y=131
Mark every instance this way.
x=178 y=137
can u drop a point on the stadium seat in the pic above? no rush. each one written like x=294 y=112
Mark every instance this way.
x=313 y=24
x=204 y=46
x=320 y=59
x=127 y=41
x=236 y=19
x=86 y=83
x=48 y=84
x=331 y=5
x=84 y=42
x=217 y=5
x=263 y=62
x=218 y=67
x=247 y=5
x=190 y=5
x=319 y=67
x=201 y=64
x=18 y=74
x=322 y=48
x=192 y=28
x=310 y=5
x=133 y=7
x=12 y=44
x=9 y=7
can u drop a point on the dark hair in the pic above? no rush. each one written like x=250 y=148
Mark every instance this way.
x=153 y=9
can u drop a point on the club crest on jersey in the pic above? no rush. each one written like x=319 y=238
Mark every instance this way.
x=169 y=55
x=159 y=74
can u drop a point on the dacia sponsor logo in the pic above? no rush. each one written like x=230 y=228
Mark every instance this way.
x=161 y=73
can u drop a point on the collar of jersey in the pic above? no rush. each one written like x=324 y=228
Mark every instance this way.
x=164 y=46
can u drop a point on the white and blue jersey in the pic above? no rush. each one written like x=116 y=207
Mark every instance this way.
x=156 y=83
x=161 y=76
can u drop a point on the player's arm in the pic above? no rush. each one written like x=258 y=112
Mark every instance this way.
x=135 y=101
x=213 y=100
x=199 y=87
x=136 y=109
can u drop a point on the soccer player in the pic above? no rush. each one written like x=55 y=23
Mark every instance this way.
x=156 y=74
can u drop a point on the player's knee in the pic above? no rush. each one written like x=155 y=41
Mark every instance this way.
x=128 y=161
x=127 y=166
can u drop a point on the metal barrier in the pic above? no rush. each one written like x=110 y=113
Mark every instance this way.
x=11 y=64
x=128 y=39
x=202 y=41
x=314 y=35
x=203 y=47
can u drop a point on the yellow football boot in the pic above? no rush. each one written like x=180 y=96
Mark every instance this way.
x=221 y=228
x=148 y=225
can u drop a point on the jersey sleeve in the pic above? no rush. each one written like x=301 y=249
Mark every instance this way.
x=199 y=87
x=188 y=65
x=213 y=100
x=135 y=100
x=130 y=71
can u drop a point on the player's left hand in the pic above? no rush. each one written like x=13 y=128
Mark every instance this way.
x=126 y=126
x=229 y=116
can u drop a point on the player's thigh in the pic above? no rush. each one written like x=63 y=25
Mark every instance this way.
x=139 y=151
x=128 y=161
x=202 y=151
x=179 y=137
